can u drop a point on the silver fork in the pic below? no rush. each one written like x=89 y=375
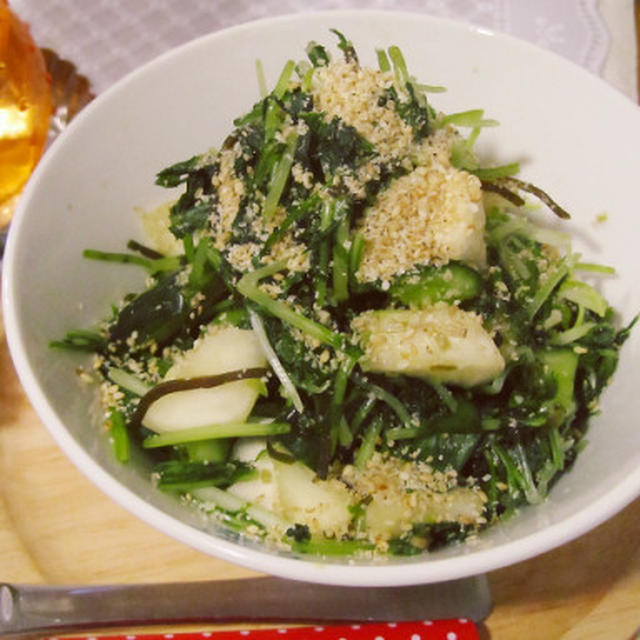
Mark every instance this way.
x=29 y=611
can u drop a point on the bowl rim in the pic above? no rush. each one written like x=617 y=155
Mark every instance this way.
x=471 y=562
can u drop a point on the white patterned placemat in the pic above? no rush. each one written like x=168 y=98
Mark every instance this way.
x=108 y=38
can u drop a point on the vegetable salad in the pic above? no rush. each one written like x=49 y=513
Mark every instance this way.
x=354 y=339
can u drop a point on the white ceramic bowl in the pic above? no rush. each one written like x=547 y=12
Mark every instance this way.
x=573 y=135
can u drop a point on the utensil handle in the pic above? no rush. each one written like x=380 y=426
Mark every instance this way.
x=28 y=611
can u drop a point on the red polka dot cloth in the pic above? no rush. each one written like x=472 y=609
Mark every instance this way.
x=456 y=629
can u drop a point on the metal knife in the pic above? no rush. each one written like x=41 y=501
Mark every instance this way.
x=29 y=611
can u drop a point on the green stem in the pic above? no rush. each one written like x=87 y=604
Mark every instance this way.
x=364 y=453
x=274 y=111
x=283 y=80
x=337 y=400
x=595 y=268
x=262 y=83
x=383 y=60
x=120 y=435
x=321 y=278
x=128 y=381
x=355 y=255
x=198 y=278
x=208 y=450
x=293 y=216
x=248 y=287
x=472 y=119
x=553 y=278
x=215 y=432
x=80 y=340
x=345 y=437
x=153 y=266
x=280 y=177
x=493 y=173
x=388 y=398
x=341 y=262
x=188 y=246
x=363 y=413
x=402 y=433
x=557 y=452
x=331 y=547
x=399 y=66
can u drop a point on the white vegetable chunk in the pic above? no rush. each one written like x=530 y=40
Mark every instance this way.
x=230 y=402
x=322 y=505
x=262 y=488
x=430 y=216
x=391 y=514
x=155 y=224
x=441 y=343
x=293 y=491
x=220 y=350
x=398 y=493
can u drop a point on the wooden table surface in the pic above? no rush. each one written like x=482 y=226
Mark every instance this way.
x=56 y=527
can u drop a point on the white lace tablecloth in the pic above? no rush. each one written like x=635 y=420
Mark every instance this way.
x=108 y=38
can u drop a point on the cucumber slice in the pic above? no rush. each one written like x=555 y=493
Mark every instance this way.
x=430 y=284
x=563 y=364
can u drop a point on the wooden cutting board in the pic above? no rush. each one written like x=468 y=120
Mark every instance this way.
x=56 y=527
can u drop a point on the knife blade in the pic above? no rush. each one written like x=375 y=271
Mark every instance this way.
x=29 y=611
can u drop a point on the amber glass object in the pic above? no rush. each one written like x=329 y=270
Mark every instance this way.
x=25 y=107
